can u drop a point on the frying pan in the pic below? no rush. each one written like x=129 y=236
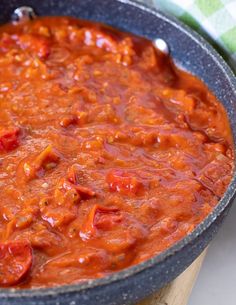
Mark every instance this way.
x=193 y=54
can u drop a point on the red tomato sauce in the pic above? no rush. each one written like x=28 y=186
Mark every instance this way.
x=109 y=154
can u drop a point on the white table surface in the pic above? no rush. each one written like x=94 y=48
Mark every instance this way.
x=216 y=283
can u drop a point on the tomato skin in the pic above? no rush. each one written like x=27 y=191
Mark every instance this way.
x=15 y=262
x=123 y=182
x=93 y=221
x=9 y=140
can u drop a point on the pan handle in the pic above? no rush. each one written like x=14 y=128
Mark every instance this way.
x=161 y=45
x=23 y=13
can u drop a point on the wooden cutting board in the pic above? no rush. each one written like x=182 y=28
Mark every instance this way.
x=178 y=291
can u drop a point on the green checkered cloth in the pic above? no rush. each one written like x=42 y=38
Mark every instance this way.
x=213 y=19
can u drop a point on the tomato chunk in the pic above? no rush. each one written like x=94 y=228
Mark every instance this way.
x=217 y=174
x=37 y=166
x=15 y=262
x=67 y=193
x=100 y=218
x=6 y=42
x=9 y=139
x=36 y=44
x=123 y=182
x=116 y=230
x=75 y=177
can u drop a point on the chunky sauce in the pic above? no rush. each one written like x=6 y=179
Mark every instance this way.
x=109 y=154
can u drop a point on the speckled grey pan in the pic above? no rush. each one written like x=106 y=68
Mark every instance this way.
x=195 y=55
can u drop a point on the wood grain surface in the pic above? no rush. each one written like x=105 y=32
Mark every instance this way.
x=178 y=291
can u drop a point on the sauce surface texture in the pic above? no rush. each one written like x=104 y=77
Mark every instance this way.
x=109 y=154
